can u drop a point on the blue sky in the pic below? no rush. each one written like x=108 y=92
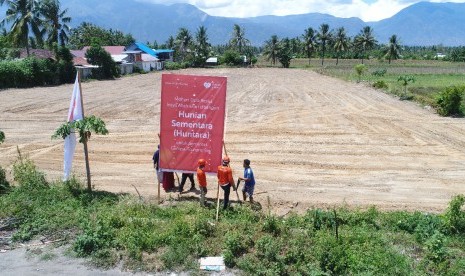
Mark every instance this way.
x=367 y=10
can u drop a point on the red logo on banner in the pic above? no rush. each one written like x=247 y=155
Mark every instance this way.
x=191 y=121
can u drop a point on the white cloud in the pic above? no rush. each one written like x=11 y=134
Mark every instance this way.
x=367 y=10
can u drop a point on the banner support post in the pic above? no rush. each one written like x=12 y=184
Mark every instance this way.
x=86 y=152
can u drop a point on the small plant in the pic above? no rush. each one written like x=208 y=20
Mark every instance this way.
x=84 y=128
x=450 y=101
x=405 y=80
x=2 y=136
x=380 y=84
x=379 y=72
x=360 y=70
x=454 y=218
x=4 y=184
x=26 y=174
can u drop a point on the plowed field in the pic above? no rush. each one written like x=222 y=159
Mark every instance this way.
x=312 y=140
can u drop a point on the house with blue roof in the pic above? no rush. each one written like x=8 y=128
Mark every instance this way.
x=146 y=58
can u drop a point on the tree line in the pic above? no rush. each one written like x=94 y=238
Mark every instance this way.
x=44 y=24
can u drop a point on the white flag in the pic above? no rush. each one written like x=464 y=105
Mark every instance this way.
x=74 y=114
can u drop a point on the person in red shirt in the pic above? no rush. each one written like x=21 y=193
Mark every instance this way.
x=202 y=179
x=225 y=180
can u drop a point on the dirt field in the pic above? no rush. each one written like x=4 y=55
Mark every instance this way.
x=312 y=140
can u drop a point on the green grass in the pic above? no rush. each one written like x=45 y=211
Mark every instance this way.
x=120 y=228
x=431 y=76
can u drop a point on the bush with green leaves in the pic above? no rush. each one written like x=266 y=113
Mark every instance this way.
x=450 y=101
x=360 y=70
x=454 y=217
x=107 y=68
x=175 y=65
x=380 y=84
x=231 y=58
x=2 y=136
x=4 y=184
x=379 y=72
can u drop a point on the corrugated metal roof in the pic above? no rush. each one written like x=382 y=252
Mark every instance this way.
x=146 y=49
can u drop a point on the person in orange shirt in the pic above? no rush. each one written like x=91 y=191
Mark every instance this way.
x=202 y=179
x=225 y=180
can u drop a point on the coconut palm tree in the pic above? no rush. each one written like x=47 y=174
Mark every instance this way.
x=238 y=39
x=183 y=42
x=324 y=36
x=202 y=47
x=55 y=22
x=170 y=43
x=365 y=40
x=23 y=17
x=341 y=42
x=310 y=43
x=272 y=49
x=393 y=49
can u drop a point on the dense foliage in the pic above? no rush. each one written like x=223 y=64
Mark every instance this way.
x=113 y=228
x=87 y=34
x=107 y=68
x=84 y=128
x=450 y=101
x=32 y=71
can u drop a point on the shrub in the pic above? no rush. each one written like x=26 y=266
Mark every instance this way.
x=231 y=58
x=175 y=65
x=2 y=136
x=360 y=69
x=380 y=84
x=379 y=72
x=4 y=184
x=26 y=174
x=454 y=218
x=450 y=101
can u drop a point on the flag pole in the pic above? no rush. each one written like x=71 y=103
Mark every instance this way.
x=86 y=152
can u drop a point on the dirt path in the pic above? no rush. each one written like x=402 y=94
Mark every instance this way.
x=313 y=140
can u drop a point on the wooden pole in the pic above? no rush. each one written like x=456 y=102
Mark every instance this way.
x=86 y=152
x=218 y=202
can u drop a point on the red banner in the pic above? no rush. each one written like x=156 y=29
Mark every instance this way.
x=191 y=121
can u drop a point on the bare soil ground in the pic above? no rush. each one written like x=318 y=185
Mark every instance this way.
x=312 y=140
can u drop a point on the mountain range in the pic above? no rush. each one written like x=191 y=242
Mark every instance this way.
x=421 y=24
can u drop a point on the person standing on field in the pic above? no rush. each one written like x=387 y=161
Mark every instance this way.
x=249 y=181
x=202 y=179
x=184 y=177
x=225 y=180
x=156 y=162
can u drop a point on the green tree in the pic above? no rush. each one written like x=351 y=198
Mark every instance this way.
x=324 y=36
x=360 y=69
x=201 y=47
x=310 y=43
x=170 y=43
x=23 y=15
x=341 y=42
x=365 y=41
x=55 y=22
x=271 y=49
x=87 y=33
x=238 y=40
x=183 y=43
x=85 y=128
x=2 y=136
x=107 y=69
x=285 y=52
x=393 y=49
x=405 y=80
